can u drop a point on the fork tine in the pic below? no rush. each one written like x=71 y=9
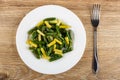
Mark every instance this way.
x=98 y=6
x=98 y=11
x=95 y=12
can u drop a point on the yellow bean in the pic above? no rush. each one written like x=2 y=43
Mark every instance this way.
x=40 y=33
x=67 y=40
x=39 y=24
x=54 y=46
x=32 y=44
x=58 y=23
x=39 y=37
x=64 y=26
x=47 y=24
x=57 y=50
x=51 y=43
x=53 y=21
x=58 y=41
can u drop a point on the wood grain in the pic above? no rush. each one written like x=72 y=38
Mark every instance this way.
x=12 y=67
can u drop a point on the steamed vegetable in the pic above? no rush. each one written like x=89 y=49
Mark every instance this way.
x=50 y=39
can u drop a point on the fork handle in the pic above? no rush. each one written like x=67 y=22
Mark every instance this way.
x=95 y=65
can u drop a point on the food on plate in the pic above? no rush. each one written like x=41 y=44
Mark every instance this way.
x=50 y=39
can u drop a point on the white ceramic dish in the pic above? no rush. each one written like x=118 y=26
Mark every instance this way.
x=69 y=59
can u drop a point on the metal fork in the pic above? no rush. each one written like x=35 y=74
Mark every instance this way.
x=95 y=16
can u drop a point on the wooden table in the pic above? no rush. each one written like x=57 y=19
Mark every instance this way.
x=12 y=67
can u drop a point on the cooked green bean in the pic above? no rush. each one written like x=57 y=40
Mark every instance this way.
x=51 y=34
x=39 y=53
x=69 y=34
x=55 y=57
x=50 y=50
x=36 y=53
x=45 y=40
x=50 y=39
x=49 y=19
x=42 y=28
x=57 y=29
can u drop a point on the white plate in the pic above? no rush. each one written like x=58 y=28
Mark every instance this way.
x=69 y=59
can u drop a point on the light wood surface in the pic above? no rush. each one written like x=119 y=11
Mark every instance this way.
x=12 y=67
